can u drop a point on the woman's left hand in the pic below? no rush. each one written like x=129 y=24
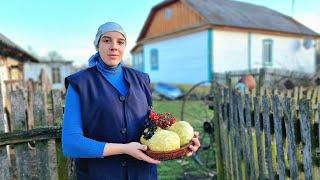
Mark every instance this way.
x=195 y=145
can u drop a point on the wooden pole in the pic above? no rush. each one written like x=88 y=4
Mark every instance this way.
x=22 y=152
x=217 y=100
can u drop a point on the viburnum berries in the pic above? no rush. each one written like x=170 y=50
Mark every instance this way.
x=163 y=120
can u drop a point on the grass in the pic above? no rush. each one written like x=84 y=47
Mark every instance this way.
x=187 y=167
x=175 y=169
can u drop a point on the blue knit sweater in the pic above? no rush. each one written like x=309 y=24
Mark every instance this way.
x=74 y=143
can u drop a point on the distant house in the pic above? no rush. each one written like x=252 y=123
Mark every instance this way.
x=55 y=70
x=12 y=60
x=185 y=41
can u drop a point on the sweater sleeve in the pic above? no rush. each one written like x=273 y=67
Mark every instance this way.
x=74 y=143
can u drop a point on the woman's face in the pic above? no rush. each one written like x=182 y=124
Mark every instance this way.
x=111 y=48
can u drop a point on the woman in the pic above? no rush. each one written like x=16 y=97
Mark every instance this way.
x=105 y=111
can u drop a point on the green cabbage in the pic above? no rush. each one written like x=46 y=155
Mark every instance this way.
x=184 y=130
x=163 y=140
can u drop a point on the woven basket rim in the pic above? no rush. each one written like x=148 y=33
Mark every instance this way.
x=169 y=152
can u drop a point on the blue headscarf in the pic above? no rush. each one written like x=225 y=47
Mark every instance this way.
x=93 y=59
x=106 y=27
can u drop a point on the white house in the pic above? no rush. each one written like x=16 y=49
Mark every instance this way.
x=56 y=71
x=185 y=41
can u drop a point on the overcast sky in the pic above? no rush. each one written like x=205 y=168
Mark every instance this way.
x=69 y=26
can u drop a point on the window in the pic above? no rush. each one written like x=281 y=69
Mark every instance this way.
x=267 y=52
x=154 y=58
x=168 y=14
x=56 y=77
x=138 y=62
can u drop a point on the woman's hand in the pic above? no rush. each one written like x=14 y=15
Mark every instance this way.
x=195 y=145
x=135 y=149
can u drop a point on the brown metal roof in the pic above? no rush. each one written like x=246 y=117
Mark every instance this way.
x=238 y=14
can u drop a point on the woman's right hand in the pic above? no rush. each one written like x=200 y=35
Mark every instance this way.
x=135 y=149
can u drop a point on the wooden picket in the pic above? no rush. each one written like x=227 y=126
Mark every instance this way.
x=35 y=139
x=4 y=159
x=273 y=136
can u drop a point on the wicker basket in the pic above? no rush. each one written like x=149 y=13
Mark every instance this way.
x=169 y=155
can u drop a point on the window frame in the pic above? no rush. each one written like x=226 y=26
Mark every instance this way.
x=56 y=75
x=267 y=47
x=154 y=59
x=168 y=13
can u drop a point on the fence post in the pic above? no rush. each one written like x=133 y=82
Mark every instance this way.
x=53 y=165
x=228 y=80
x=30 y=110
x=289 y=125
x=222 y=141
x=219 y=165
x=258 y=137
x=22 y=151
x=39 y=115
x=4 y=160
x=262 y=74
x=237 y=134
x=243 y=136
x=226 y=134
x=57 y=107
x=278 y=132
x=233 y=137
x=66 y=168
x=306 y=138
x=249 y=142
x=266 y=124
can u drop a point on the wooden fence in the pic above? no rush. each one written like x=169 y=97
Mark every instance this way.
x=271 y=136
x=269 y=78
x=33 y=150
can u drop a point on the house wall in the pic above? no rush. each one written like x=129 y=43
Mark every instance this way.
x=181 y=60
x=32 y=71
x=5 y=63
x=4 y=75
x=184 y=59
x=289 y=53
x=16 y=74
x=229 y=51
x=234 y=50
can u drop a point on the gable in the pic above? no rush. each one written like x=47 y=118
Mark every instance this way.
x=162 y=23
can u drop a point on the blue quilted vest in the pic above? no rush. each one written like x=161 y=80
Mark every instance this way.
x=107 y=116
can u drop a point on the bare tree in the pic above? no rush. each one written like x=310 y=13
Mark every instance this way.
x=54 y=55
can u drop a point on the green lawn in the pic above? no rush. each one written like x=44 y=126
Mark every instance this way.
x=177 y=169
x=187 y=167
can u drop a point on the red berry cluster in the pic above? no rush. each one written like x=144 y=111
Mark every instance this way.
x=163 y=120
